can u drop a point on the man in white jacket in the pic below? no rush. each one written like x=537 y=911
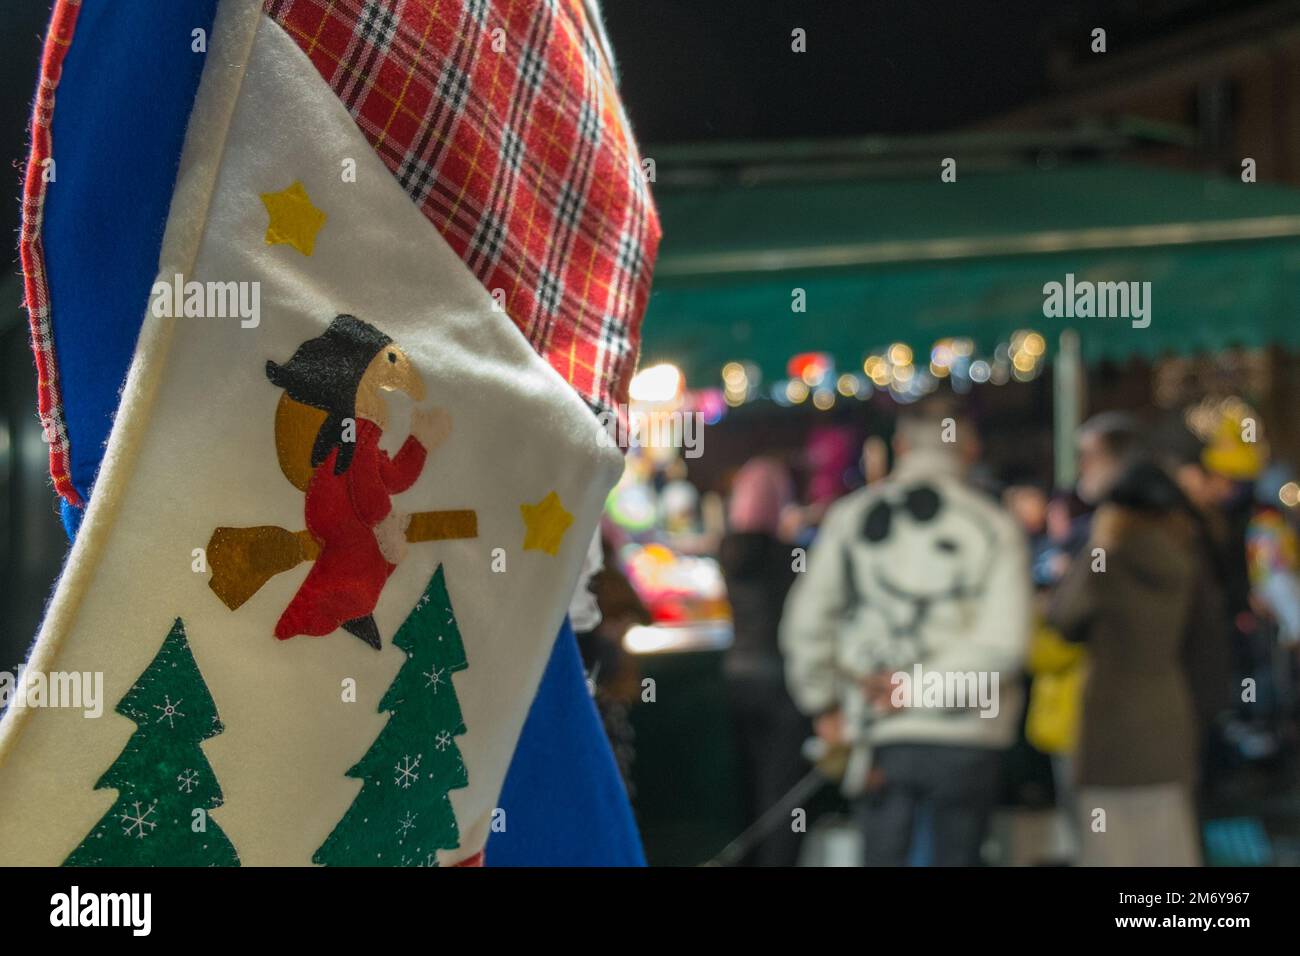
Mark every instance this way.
x=904 y=640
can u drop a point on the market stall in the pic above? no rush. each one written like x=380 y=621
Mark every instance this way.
x=777 y=285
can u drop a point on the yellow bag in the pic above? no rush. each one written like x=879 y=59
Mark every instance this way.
x=1059 y=668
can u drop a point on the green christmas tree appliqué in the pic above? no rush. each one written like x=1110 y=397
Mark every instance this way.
x=403 y=814
x=162 y=776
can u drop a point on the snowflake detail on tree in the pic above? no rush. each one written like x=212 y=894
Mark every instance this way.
x=406 y=771
x=137 y=820
x=186 y=781
x=406 y=825
x=169 y=710
x=435 y=677
x=442 y=741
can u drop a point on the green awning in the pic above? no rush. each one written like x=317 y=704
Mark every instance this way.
x=887 y=260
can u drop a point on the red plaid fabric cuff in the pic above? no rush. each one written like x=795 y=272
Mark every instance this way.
x=501 y=120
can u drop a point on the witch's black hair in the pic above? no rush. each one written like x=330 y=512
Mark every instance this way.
x=325 y=373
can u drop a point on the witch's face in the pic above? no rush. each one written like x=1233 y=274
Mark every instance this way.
x=391 y=371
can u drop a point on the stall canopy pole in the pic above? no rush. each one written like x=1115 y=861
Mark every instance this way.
x=1068 y=384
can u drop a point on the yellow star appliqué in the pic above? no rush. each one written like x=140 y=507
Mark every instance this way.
x=293 y=218
x=546 y=523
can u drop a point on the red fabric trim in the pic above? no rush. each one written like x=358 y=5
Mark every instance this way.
x=502 y=122
x=475 y=860
x=63 y=22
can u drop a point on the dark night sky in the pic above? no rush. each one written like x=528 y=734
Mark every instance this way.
x=723 y=69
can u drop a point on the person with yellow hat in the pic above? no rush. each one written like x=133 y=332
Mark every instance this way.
x=1215 y=455
x=1235 y=450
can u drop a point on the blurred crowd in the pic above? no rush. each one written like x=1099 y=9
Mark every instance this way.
x=1138 y=629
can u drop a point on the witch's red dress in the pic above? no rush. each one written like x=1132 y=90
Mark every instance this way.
x=342 y=512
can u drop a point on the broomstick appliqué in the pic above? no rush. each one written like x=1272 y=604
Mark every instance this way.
x=328 y=426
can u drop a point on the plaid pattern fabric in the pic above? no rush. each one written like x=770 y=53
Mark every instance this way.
x=31 y=251
x=501 y=120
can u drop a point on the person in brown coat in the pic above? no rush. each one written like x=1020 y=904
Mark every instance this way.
x=1135 y=595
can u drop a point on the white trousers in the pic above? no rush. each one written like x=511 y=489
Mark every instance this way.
x=1138 y=826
